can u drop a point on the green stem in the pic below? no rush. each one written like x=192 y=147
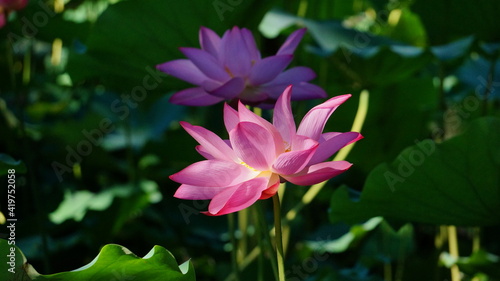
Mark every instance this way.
x=278 y=237
x=259 y=233
x=234 y=262
x=302 y=11
x=267 y=239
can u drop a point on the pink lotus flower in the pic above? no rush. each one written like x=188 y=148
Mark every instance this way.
x=231 y=67
x=9 y=5
x=259 y=155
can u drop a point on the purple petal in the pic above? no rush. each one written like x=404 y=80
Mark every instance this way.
x=238 y=197
x=194 y=97
x=294 y=75
x=306 y=91
x=253 y=95
x=236 y=56
x=254 y=145
x=209 y=41
x=268 y=68
x=301 y=91
x=283 y=117
x=183 y=69
x=211 y=143
x=314 y=122
x=231 y=117
x=318 y=173
x=251 y=45
x=213 y=173
x=206 y=63
x=291 y=42
x=230 y=89
x=193 y=192
x=333 y=142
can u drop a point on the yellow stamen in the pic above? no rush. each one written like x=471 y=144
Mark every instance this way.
x=248 y=166
x=228 y=71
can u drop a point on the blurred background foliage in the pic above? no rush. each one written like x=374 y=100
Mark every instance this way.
x=86 y=122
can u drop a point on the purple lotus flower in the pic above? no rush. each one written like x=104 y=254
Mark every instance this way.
x=231 y=67
x=259 y=155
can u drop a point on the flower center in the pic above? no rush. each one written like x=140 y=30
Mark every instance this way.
x=287 y=146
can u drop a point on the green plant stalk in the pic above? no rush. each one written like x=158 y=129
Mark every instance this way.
x=28 y=157
x=261 y=219
x=264 y=246
x=234 y=261
x=278 y=237
x=258 y=232
x=453 y=247
x=243 y=217
x=302 y=11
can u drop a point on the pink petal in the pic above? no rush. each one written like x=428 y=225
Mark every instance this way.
x=318 y=173
x=206 y=63
x=293 y=76
x=268 y=68
x=283 y=117
x=213 y=173
x=183 y=69
x=192 y=192
x=203 y=152
x=194 y=97
x=209 y=41
x=294 y=161
x=251 y=45
x=211 y=143
x=246 y=115
x=231 y=117
x=237 y=197
x=302 y=142
x=236 y=55
x=314 y=122
x=254 y=145
x=292 y=42
x=332 y=143
x=230 y=89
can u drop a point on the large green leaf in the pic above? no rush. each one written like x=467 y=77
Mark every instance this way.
x=131 y=37
x=361 y=58
x=389 y=245
x=13 y=264
x=339 y=245
x=75 y=204
x=456 y=182
x=114 y=262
